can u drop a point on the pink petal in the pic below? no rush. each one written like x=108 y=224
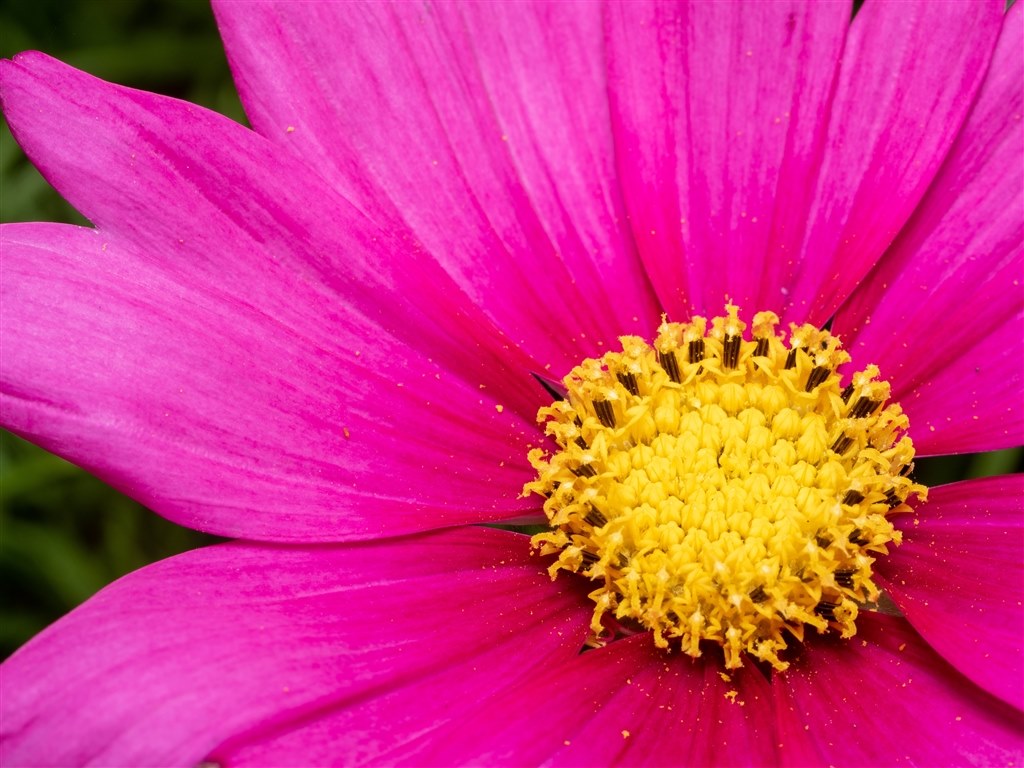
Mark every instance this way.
x=943 y=314
x=240 y=641
x=794 y=208
x=227 y=419
x=235 y=346
x=959 y=579
x=720 y=112
x=626 y=704
x=885 y=698
x=908 y=77
x=483 y=127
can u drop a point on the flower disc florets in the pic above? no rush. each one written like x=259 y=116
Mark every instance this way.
x=723 y=488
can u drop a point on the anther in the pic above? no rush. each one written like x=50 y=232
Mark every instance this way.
x=758 y=595
x=842 y=444
x=628 y=380
x=857 y=537
x=696 y=350
x=604 y=412
x=595 y=518
x=818 y=375
x=731 y=351
x=847 y=393
x=584 y=470
x=891 y=499
x=826 y=610
x=844 y=578
x=864 y=406
x=761 y=348
x=667 y=360
x=853 y=497
x=791 y=358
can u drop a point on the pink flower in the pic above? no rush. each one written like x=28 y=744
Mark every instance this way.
x=318 y=337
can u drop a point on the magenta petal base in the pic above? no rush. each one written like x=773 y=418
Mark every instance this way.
x=232 y=648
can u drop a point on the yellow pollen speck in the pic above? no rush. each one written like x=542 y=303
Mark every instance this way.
x=625 y=734
x=499 y=408
x=346 y=433
x=723 y=485
x=290 y=129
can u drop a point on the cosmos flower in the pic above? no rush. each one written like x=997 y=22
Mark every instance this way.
x=327 y=338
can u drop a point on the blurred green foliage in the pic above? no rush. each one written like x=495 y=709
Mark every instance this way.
x=63 y=533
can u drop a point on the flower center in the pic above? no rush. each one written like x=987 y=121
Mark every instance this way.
x=723 y=488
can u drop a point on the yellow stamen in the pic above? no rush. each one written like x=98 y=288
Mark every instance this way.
x=722 y=488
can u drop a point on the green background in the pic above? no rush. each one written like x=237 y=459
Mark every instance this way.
x=64 y=534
